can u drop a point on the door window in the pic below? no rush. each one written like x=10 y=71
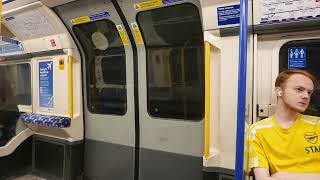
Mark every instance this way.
x=175 y=63
x=105 y=67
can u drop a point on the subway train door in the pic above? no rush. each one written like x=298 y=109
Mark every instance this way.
x=108 y=88
x=278 y=52
x=169 y=39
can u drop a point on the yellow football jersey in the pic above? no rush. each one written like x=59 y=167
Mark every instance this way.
x=296 y=149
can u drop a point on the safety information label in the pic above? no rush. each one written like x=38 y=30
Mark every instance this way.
x=288 y=10
x=297 y=58
x=153 y=4
x=228 y=15
x=93 y=17
x=80 y=20
x=123 y=35
x=137 y=33
x=46 y=84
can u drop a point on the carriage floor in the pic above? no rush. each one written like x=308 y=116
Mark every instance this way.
x=27 y=177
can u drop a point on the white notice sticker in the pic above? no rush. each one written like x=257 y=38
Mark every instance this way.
x=30 y=24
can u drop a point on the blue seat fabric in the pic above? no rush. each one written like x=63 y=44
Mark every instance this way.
x=46 y=120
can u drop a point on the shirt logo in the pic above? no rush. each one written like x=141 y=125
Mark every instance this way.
x=311 y=137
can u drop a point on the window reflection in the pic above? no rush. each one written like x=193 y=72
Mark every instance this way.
x=18 y=77
x=312 y=66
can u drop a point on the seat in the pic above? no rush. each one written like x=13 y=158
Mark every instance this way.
x=46 y=120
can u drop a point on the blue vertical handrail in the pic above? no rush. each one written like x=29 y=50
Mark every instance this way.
x=242 y=88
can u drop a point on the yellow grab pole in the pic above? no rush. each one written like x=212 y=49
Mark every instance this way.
x=207 y=102
x=70 y=84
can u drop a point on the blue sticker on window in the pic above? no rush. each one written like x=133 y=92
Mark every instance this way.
x=170 y=1
x=46 y=84
x=228 y=15
x=297 y=58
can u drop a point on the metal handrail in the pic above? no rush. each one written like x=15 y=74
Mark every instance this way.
x=241 y=89
x=207 y=102
x=70 y=86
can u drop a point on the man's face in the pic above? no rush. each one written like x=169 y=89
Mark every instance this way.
x=297 y=91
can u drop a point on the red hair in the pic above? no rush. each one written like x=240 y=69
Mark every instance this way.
x=284 y=76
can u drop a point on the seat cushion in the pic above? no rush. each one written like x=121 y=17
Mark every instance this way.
x=46 y=120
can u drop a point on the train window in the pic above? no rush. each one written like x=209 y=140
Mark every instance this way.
x=17 y=78
x=303 y=54
x=175 y=63
x=105 y=67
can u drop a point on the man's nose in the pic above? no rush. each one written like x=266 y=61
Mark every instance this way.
x=306 y=94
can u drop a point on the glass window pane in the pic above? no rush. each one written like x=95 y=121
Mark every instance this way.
x=175 y=63
x=105 y=67
x=16 y=83
x=312 y=48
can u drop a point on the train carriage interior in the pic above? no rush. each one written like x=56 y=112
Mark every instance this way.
x=141 y=89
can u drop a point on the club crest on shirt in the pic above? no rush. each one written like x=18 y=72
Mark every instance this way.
x=311 y=137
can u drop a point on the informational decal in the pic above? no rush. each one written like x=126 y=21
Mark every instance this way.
x=137 y=33
x=99 y=16
x=297 y=58
x=148 y=4
x=9 y=40
x=289 y=10
x=94 y=17
x=228 y=15
x=153 y=4
x=11 y=49
x=7 y=1
x=29 y=24
x=53 y=43
x=61 y=64
x=46 y=84
x=123 y=35
x=80 y=20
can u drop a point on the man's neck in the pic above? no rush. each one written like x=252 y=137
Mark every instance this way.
x=285 y=117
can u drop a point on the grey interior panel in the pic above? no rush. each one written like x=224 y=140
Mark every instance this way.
x=108 y=161
x=158 y=165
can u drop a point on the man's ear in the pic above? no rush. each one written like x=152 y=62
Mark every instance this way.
x=279 y=91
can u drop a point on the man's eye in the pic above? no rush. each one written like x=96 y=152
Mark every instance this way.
x=299 y=89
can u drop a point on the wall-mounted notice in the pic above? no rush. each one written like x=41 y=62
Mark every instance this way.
x=228 y=15
x=288 y=10
x=297 y=58
x=46 y=84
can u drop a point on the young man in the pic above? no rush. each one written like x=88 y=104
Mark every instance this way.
x=286 y=145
